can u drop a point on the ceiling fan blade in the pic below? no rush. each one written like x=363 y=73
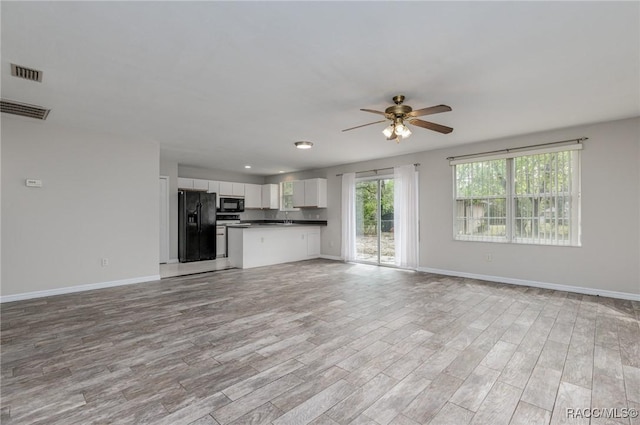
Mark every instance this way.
x=374 y=112
x=364 y=125
x=431 y=126
x=428 y=111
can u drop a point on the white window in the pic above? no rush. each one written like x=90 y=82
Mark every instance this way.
x=286 y=197
x=481 y=200
x=527 y=197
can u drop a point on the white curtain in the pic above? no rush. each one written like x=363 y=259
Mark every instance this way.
x=405 y=216
x=348 y=249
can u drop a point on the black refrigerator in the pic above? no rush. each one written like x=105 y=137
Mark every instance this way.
x=196 y=226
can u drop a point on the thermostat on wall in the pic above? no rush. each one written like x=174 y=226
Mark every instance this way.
x=34 y=183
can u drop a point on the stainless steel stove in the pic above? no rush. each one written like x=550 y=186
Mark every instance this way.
x=222 y=220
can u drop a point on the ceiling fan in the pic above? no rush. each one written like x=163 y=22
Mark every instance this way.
x=400 y=115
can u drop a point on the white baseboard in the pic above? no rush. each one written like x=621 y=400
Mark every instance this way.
x=535 y=284
x=173 y=261
x=78 y=288
x=331 y=257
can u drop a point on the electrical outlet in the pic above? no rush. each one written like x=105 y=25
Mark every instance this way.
x=488 y=257
x=104 y=262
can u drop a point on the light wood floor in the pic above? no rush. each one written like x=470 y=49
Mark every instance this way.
x=318 y=342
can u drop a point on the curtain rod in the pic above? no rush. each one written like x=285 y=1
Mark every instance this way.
x=375 y=170
x=578 y=141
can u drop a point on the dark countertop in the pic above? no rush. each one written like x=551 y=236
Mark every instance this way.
x=281 y=222
x=277 y=225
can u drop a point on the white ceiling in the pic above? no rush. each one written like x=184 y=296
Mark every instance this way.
x=224 y=84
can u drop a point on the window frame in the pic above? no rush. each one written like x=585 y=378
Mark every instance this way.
x=574 y=194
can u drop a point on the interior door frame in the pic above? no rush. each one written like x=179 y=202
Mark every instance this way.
x=164 y=213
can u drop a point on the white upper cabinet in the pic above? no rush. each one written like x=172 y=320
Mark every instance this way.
x=193 y=184
x=252 y=196
x=226 y=189
x=270 y=196
x=214 y=186
x=200 y=184
x=298 y=193
x=311 y=193
x=237 y=189
x=185 y=183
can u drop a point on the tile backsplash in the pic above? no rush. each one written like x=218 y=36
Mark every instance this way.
x=304 y=214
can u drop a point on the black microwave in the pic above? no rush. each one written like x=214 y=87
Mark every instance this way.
x=231 y=205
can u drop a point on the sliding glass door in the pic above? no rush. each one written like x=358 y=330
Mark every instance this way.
x=374 y=221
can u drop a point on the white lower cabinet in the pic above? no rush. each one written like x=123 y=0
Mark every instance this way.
x=266 y=245
x=313 y=244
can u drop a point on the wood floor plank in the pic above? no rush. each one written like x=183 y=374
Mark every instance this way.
x=259 y=380
x=499 y=405
x=452 y=414
x=350 y=408
x=528 y=414
x=316 y=405
x=571 y=398
x=310 y=387
x=428 y=403
x=475 y=388
x=387 y=407
x=317 y=342
x=542 y=387
x=242 y=405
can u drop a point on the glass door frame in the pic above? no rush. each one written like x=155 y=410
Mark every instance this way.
x=378 y=178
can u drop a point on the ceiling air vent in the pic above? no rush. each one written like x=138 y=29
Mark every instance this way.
x=26 y=73
x=23 y=109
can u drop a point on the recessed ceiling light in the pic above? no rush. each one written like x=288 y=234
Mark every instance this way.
x=303 y=145
x=247 y=166
x=281 y=171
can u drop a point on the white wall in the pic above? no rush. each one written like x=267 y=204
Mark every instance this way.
x=99 y=200
x=609 y=256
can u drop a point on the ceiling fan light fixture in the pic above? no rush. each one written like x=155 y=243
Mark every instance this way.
x=303 y=144
x=406 y=133
x=396 y=115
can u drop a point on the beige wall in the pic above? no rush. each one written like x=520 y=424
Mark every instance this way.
x=99 y=200
x=608 y=258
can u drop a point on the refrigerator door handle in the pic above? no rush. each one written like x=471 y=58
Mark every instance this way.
x=199 y=217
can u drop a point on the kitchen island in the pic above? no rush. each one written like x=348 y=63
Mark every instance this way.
x=255 y=245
